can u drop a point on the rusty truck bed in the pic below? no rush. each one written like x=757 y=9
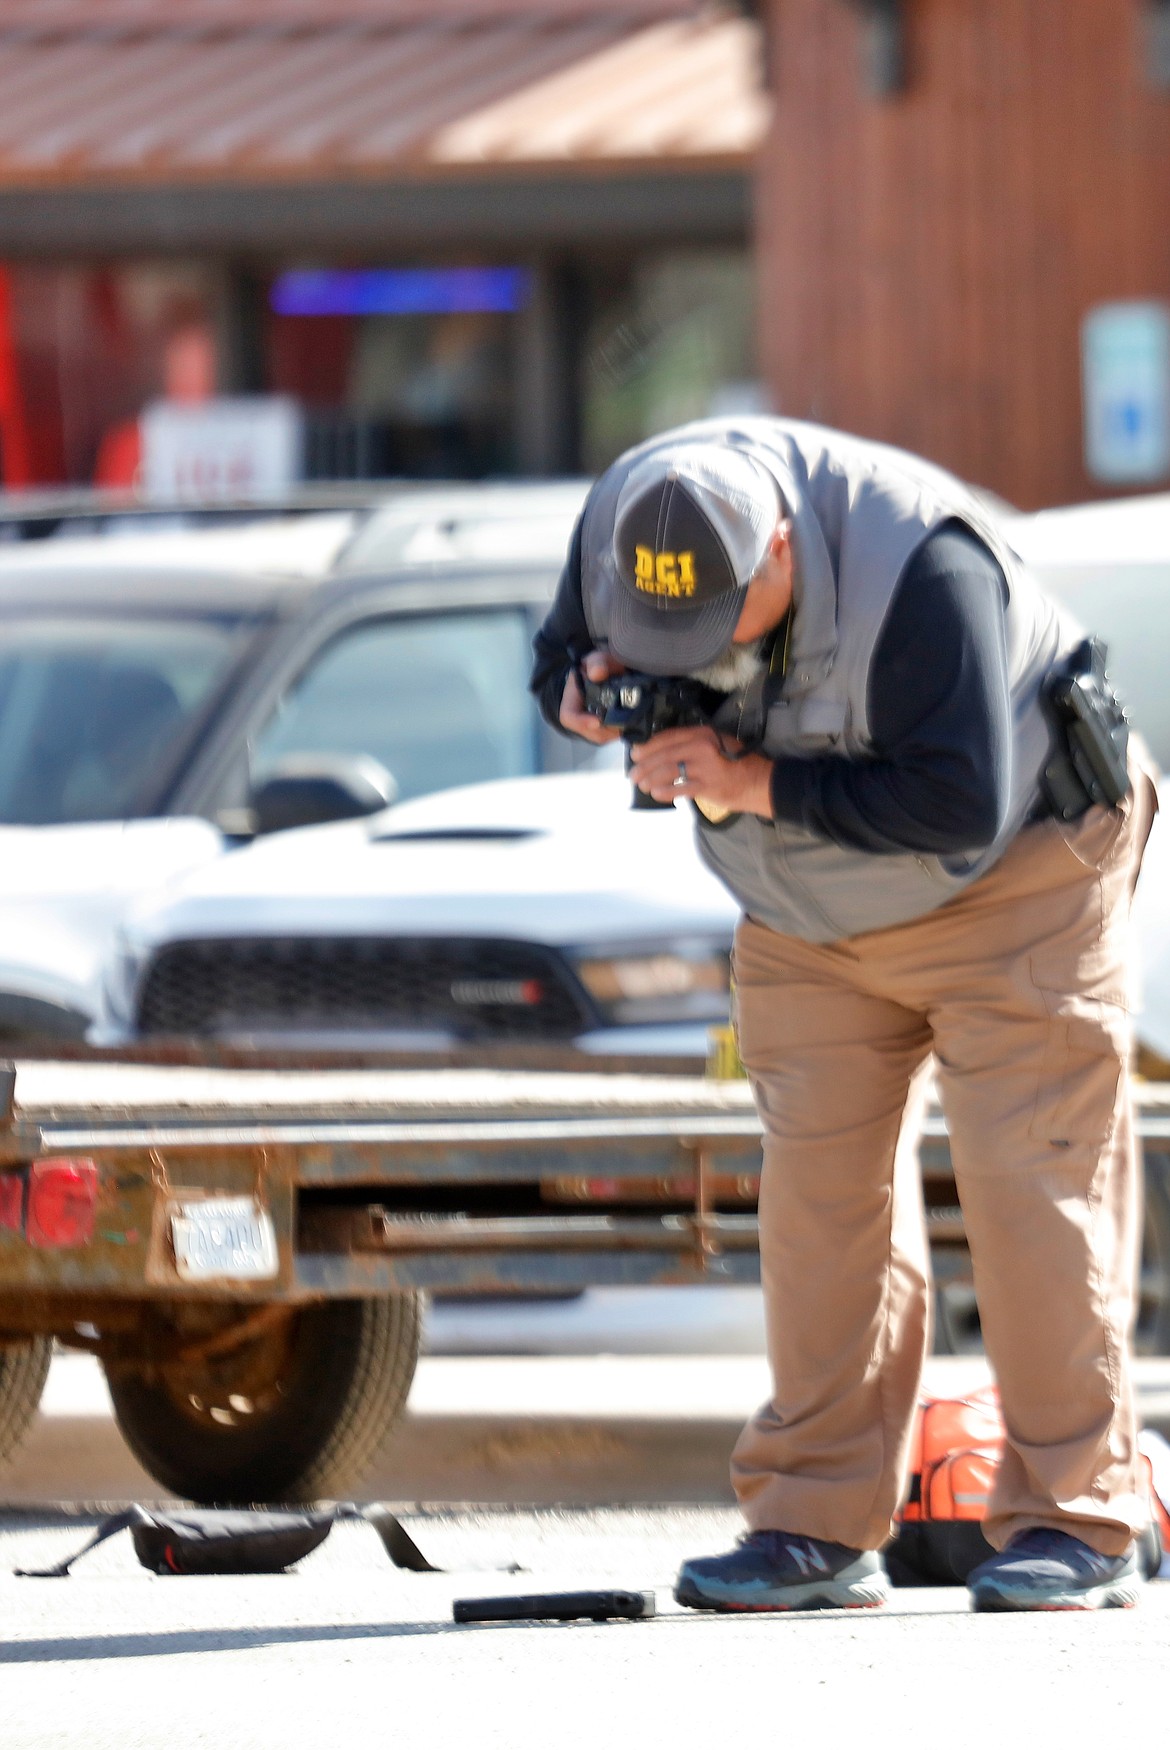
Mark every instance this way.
x=375 y=1181
x=383 y=1180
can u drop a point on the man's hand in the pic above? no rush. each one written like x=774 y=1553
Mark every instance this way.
x=742 y=786
x=574 y=717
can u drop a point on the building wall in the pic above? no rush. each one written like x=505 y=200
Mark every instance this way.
x=927 y=258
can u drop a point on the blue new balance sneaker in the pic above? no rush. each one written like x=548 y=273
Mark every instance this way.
x=777 y=1570
x=1045 y=1569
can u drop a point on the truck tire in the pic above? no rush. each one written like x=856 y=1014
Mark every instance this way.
x=24 y=1368
x=297 y=1412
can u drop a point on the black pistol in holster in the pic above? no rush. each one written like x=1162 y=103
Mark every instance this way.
x=1087 y=766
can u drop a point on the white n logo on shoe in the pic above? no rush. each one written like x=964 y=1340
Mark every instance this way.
x=807 y=1559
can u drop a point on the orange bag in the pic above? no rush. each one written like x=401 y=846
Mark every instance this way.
x=1161 y=1509
x=954 y=1458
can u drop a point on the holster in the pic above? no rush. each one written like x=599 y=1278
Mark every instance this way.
x=1087 y=766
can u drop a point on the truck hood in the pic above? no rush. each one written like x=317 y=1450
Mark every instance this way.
x=563 y=860
x=64 y=891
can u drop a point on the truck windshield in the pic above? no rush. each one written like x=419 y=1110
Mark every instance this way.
x=437 y=699
x=94 y=711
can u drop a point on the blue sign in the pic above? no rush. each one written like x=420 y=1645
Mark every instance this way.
x=399 y=291
x=1125 y=355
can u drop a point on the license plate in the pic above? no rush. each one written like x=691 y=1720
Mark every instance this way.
x=223 y=1236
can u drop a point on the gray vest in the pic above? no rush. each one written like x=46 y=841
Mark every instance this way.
x=859 y=512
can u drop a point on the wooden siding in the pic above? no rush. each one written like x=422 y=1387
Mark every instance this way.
x=926 y=260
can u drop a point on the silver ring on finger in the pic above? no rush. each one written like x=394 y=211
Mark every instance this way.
x=682 y=774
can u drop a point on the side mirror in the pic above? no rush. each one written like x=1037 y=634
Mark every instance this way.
x=311 y=789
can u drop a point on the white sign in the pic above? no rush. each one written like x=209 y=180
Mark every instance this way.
x=1125 y=353
x=247 y=447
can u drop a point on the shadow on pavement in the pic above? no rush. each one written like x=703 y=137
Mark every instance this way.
x=212 y=1640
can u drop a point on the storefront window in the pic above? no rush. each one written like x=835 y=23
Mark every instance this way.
x=417 y=362
x=90 y=345
x=399 y=370
x=670 y=340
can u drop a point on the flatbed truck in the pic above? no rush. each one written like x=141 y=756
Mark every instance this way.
x=247 y=1251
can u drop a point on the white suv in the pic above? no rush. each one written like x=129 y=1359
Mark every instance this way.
x=536 y=911
x=166 y=694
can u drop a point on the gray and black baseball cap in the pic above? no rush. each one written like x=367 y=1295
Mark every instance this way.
x=691 y=529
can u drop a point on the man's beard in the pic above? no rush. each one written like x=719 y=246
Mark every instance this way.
x=736 y=669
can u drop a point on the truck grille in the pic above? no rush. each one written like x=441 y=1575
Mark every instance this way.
x=470 y=988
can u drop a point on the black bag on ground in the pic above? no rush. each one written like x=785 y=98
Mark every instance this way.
x=254 y=1540
x=938 y=1554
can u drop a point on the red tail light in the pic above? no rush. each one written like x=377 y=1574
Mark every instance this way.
x=62 y=1202
x=12 y=1201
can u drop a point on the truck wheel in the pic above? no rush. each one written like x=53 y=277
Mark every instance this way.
x=24 y=1368
x=292 y=1406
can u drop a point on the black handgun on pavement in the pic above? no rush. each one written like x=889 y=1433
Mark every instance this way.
x=557 y=1607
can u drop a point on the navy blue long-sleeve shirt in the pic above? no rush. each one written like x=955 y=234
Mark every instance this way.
x=939 y=709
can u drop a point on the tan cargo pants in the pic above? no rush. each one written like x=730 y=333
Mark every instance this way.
x=1018 y=987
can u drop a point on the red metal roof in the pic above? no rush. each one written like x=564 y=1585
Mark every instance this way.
x=359 y=88
x=73 y=17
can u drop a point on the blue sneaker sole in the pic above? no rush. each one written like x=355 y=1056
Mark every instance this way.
x=1120 y=1594
x=867 y=1594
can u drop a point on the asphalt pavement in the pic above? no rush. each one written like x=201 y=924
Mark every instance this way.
x=592 y=1402
x=347 y=1651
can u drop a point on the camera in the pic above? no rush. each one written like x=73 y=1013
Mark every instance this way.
x=642 y=705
